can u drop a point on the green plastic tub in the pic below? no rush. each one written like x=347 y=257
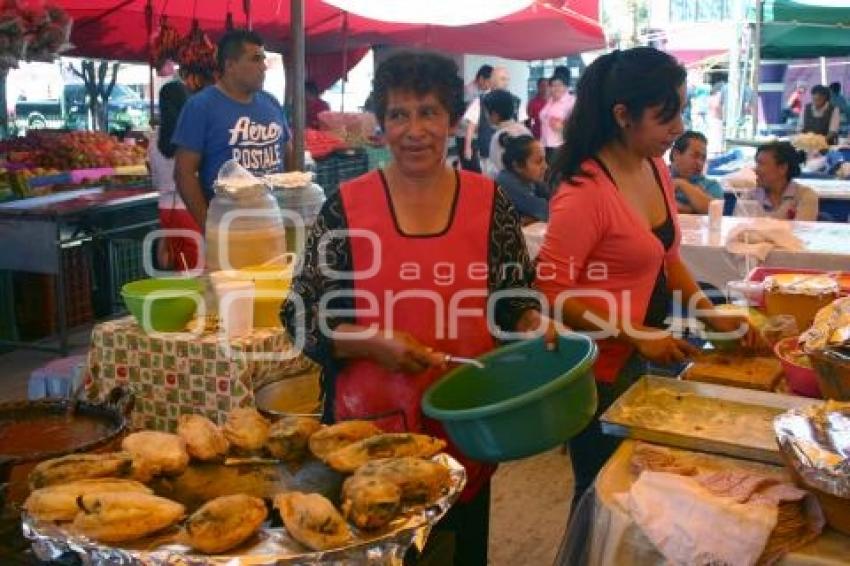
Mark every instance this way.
x=172 y=302
x=525 y=401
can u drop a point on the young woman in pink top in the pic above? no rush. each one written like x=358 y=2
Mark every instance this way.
x=554 y=114
x=611 y=252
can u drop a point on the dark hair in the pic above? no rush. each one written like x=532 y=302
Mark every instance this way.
x=785 y=154
x=421 y=73
x=310 y=87
x=172 y=97
x=684 y=141
x=562 y=73
x=822 y=90
x=500 y=102
x=639 y=78
x=835 y=87
x=231 y=44
x=517 y=149
x=484 y=72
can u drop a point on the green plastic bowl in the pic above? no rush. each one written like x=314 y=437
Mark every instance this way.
x=172 y=302
x=525 y=401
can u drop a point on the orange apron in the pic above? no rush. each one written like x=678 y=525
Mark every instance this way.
x=435 y=288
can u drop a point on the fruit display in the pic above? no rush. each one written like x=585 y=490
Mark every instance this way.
x=32 y=30
x=69 y=151
x=42 y=162
x=320 y=144
x=165 y=43
x=197 y=58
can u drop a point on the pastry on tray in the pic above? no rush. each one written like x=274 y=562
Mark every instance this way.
x=388 y=445
x=312 y=520
x=370 y=502
x=246 y=429
x=288 y=437
x=331 y=438
x=420 y=481
x=204 y=439
x=59 y=502
x=121 y=517
x=224 y=523
x=160 y=452
x=81 y=466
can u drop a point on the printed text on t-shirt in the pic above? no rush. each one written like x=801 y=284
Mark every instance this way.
x=256 y=146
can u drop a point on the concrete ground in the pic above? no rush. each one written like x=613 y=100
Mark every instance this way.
x=530 y=498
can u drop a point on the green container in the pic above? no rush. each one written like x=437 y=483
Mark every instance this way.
x=171 y=302
x=525 y=401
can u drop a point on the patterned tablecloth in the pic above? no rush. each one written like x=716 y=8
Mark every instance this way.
x=179 y=373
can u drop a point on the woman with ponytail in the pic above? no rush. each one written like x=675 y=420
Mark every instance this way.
x=609 y=263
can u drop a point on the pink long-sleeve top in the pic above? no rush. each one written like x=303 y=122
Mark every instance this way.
x=600 y=250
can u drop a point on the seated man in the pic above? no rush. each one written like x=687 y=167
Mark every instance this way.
x=694 y=191
x=821 y=116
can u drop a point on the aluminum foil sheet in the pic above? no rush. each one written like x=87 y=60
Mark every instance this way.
x=816 y=442
x=270 y=547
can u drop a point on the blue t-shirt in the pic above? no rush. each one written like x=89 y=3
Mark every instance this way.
x=220 y=128
x=711 y=187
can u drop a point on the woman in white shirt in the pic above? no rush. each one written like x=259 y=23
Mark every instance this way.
x=176 y=252
x=499 y=109
x=777 y=164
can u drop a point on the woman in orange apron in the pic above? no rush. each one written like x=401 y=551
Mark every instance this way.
x=400 y=269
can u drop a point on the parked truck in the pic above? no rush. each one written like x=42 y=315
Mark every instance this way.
x=124 y=109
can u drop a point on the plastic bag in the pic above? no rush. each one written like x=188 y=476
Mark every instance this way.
x=238 y=182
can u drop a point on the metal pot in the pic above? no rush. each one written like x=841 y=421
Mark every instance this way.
x=111 y=416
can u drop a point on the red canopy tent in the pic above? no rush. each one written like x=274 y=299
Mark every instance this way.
x=115 y=29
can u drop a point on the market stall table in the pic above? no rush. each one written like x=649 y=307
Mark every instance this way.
x=826 y=247
x=35 y=231
x=602 y=532
x=177 y=373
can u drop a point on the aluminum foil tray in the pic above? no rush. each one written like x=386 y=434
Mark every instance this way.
x=816 y=443
x=270 y=547
x=700 y=416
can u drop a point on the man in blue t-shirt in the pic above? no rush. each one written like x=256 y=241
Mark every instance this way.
x=694 y=191
x=234 y=119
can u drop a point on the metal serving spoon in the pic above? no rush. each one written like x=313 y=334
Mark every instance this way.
x=459 y=360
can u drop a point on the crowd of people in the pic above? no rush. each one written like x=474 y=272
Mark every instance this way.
x=591 y=163
x=495 y=138
x=824 y=115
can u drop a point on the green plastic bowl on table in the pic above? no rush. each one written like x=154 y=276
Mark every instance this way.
x=525 y=401
x=173 y=302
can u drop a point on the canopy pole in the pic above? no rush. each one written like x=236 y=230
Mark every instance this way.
x=344 y=59
x=298 y=75
x=246 y=9
x=824 y=79
x=149 y=27
x=756 y=75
